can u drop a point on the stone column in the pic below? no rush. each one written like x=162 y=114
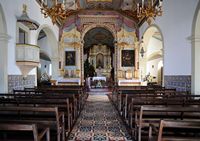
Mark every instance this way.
x=116 y=63
x=195 y=40
x=82 y=62
x=55 y=67
x=4 y=38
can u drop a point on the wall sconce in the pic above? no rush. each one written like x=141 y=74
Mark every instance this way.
x=142 y=48
x=142 y=52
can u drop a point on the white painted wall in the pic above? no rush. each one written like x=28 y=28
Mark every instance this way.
x=153 y=46
x=152 y=68
x=43 y=69
x=176 y=25
x=13 y=9
x=44 y=46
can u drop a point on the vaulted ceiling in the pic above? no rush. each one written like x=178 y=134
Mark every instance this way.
x=98 y=35
x=127 y=8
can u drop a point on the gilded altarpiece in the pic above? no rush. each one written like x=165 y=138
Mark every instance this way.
x=70 y=73
x=100 y=58
x=124 y=39
x=127 y=43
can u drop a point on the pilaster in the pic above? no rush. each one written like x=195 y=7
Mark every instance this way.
x=4 y=38
x=55 y=67
x=195 y=41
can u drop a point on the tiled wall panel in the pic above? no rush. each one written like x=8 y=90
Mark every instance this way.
x=180 y=82
x=18 y=82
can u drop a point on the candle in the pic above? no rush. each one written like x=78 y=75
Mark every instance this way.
x=160 y=2
x=142 y=3
x=138 y=8
x=152 y=2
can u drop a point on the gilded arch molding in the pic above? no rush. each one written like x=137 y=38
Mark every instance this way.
x=109 y=27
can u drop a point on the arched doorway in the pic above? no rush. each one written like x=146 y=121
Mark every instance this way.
x=3 y=53
x=44 y=69
x=195 y=39
x=99 y=55
x=48 y=44
x=151 y=63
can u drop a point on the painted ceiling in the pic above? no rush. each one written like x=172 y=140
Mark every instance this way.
x=99 y=4
x=127 y=8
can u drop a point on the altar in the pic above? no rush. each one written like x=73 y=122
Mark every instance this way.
x=130 y=82
x=98 y=78
x=68 y=81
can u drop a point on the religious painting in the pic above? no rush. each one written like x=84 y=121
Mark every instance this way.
x=128 y=58
x=70 y=58
x=99 y=60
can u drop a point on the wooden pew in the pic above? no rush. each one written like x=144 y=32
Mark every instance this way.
x=79 y=92
x=48 y=116
x=146 y=115
x=20 y=126
x=62 y=103
x=176 y=130
x=157 y=95
x=74 y=97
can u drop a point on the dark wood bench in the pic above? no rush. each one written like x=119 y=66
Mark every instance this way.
x=47 y=116
x=146 y=115
x=20 y=126
x=173 y=130
x=62 y=103
x=75 y=97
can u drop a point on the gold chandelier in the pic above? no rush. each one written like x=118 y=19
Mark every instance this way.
x=148 y=10
x=58 y=11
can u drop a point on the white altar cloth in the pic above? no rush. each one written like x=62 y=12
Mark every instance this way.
x=129 y=82
x=99 y=78
x=69 y=80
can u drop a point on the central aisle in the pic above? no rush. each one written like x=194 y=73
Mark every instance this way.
x=99 y=121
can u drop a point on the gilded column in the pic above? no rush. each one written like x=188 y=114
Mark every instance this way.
x=136 y=70
x=82 y=62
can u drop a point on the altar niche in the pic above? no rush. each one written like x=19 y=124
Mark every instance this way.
x=100 y=58
x=99 y=53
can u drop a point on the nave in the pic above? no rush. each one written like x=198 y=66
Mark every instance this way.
x=99 y=121
x=71 y=113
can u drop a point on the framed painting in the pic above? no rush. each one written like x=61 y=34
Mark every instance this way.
x=128 y=58
x=70 y=58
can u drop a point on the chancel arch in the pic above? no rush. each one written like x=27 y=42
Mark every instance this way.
x=195 y=39
x=48 y=44
x=3 y=53
x=99 y=50
x=151 y=58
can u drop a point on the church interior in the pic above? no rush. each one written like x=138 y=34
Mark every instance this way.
x=99 y=70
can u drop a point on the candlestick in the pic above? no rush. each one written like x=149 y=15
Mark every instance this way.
x=142 y=3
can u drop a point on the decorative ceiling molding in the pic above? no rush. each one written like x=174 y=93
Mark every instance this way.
x=98 y=19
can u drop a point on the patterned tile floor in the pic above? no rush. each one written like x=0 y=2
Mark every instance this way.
x=99 y=121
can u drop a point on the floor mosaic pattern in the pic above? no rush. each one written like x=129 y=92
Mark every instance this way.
x=99 y=121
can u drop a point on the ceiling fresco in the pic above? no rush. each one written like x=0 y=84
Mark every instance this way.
x=124 y=7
